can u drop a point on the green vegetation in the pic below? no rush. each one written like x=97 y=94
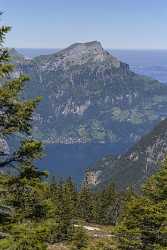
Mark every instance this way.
x=87 y=99
x=35 y=213
x=80 y=239
x=25 y=208
x=144 y=223
x=138 y=164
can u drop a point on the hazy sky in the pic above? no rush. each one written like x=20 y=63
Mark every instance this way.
x=58 y=23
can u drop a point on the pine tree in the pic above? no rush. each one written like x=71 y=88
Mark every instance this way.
x=85 y=203
x=25 y=211
x=144 y=225
x=70 y=197
x=64 y=197
x=15 y=113
x=80 y=239
x=107 y=205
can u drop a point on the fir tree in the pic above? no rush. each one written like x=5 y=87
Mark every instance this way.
x=64 y=197
x=80 y=239
x=107 y=205
x=85 y=203
x=144 y=225
x=24 y=210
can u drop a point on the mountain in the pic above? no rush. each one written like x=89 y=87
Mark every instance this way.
x=89 y=96
x=16 y=56
x=134 y=167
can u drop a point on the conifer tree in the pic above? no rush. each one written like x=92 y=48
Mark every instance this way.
x=107 y=205
x=15 y=113
x=144 y=225
x=25 y=211
x=80 y=239
x=85 y=203
x=64 y=197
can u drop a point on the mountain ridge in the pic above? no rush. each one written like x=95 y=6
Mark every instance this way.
x=91 y=100
x=132 y=168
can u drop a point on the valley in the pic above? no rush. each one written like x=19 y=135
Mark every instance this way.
x=83 y=125
x=93 y=105
x=64 y=160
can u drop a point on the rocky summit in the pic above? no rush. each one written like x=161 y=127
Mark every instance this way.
x=78 y=54
x=89 y=96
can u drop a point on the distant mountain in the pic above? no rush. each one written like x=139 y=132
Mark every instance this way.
x=134 y=167
x=16 y=56
x=152 y=63
x=89 y=96
x=34 y=52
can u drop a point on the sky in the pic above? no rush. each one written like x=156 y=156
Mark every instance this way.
x=117 y=24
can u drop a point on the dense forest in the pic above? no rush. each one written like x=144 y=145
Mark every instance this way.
x=36 y=213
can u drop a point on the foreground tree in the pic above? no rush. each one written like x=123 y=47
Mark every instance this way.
x=85 y=203
x=25 y=211
x=80 y=239
x=107 y=206
x=144 y=225
x=15 y=113
x=64 y=196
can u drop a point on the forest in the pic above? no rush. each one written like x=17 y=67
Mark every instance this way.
x=37 y=212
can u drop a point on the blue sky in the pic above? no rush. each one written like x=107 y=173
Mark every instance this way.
x=129 y=24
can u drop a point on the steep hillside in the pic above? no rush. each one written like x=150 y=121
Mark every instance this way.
x=16 y=56
x=91 y=97
x=134 y=167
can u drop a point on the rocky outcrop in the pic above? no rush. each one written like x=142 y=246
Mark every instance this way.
x=92 y=178
x=4 y=148
x=78 y=54
x=134 y=167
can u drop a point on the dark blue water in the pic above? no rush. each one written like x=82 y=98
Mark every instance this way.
x=72 y=160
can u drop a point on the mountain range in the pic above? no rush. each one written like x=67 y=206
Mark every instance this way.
x=92 y=98
x=89 y=96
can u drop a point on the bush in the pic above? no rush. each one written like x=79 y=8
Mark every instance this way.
x=80 y=239
x=24 y=237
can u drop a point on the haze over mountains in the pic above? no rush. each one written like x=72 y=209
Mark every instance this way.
x=91 y=98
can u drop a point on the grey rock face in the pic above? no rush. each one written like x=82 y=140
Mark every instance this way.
x=78 y=54
x=91 y=97
x=134 y=167
x=4 y=148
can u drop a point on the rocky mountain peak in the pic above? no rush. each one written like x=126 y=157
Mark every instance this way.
x=81 y=53
x=88 y=47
